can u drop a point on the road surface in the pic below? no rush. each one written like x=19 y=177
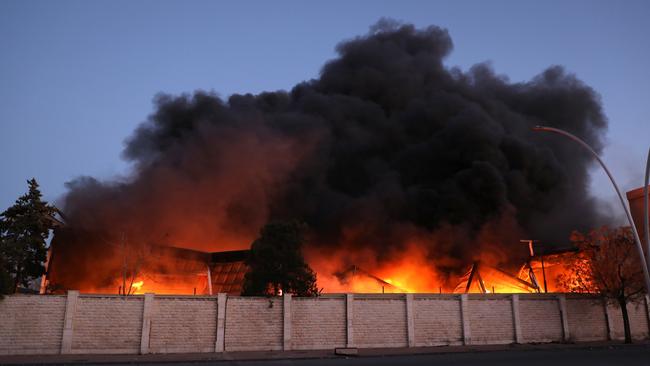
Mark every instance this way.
x=613 y=356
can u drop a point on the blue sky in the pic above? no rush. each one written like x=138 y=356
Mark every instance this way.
x=76 y=77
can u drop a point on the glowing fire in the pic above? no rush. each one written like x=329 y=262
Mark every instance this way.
x=137 y=287
x=408 y=272
x=162 y=284
x=411 y=270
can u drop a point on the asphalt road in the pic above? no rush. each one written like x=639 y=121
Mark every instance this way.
x=632 y=356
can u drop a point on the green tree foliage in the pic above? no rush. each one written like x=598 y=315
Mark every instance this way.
x=24 y=228
x=276 y=263
x=607 y=263
x=6 y=284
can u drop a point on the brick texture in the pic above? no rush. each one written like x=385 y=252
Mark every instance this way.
x=437 y=322
x=31 y=324
x=540 y=320
x=586 y=319
x=107 y=323
x=491 y=320
x=183 y=324
x=318 y=323
x=379 y=322
x=253 y=324
x=638 y=320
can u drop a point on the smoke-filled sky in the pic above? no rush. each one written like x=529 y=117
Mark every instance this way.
x=77 y=78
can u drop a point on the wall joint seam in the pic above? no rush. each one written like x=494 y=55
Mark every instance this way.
x=564 y=318
x=286 y=322
x=146 y=323
x=220 y=338
x=608 y=321
x=464 y=318
x=349 y=315
x=410 y=324
x=68 y=321
x=516 y=319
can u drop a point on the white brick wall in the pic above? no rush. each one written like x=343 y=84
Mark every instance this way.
x=638 y=320
x=587 y=320
x=31 y=324
x=491 y=319
x=183 y=324
x=318 y=323
x=104 y=323
x=540 y=320
x=253 y=324
x=379 y=321
x=437 y=321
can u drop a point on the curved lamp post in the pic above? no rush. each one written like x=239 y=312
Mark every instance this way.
x=646 y=214
x=620 y=196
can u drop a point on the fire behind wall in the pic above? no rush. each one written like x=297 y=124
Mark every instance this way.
x=400 y=164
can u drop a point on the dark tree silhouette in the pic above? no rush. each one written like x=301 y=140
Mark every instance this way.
x=24 y=228
x=6 y=285
x=276 y=264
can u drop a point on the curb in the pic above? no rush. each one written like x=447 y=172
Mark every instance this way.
x=103 y=359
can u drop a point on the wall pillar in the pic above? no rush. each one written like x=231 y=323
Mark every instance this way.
x=286 y=318
x=221 y=323
x=516 y=320
x=70 y=308
x=146 y=323
x=349 y=314
x=410 y=324
x=608 y=320
x=563 y=315
x=464 y=318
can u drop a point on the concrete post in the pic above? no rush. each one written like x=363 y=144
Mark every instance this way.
x=464 y=318
x=70 y=308
x=410 y=324
x=221 y=323
x=563 y=315
x=286 y=317
x=516 y=320
x=609 y=321
x=146 y=323
x=349 y=314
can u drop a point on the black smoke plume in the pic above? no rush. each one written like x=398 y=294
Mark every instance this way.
x=387 y=144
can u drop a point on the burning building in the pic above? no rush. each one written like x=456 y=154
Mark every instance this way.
x=401 y=165
x=635 y=198
x=161 y=269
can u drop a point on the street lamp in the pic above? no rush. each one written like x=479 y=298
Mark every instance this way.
x=620 y=196
x=646 y=214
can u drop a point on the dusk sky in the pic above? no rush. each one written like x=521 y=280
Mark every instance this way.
x=77 y=77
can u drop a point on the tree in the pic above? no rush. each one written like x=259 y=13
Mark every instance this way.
x=607 y=264
x=276 y=263
x=24 y=228
x=6 y=285
x=133 y=259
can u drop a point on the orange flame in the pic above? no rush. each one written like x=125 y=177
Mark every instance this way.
x=137 y=287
